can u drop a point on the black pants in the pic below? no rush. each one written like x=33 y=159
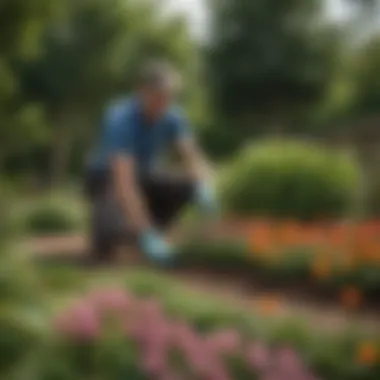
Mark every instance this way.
x=164 y=194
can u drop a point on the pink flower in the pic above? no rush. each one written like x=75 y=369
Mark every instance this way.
x=170 y=375
x=197 y=355
x=224 y=342
x=288 y=362
x=149 y=309
x=133 y=328
x=110 y=300
x=80 y=322
x=199 y=360
x=273 y=376
x=153 y=363
x=157 y=337
x=258 y=357
x=183 y=336
x=151 y=333
x=218 y=372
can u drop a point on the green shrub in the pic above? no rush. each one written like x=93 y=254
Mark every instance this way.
x=18 y=282
x=22 y=312
x=59 y=279
x=21 y=331
x=290 y=179
x=51 y=217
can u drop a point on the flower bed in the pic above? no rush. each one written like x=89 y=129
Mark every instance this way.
x=110 y=334
x=157 y=329
x=340 y=256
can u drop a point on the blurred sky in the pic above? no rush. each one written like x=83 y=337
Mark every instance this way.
x=196 y=12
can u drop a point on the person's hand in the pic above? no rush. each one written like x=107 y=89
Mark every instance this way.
x=155 y=247
x=206 y=199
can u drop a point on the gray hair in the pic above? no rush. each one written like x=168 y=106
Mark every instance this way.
x=160 y=75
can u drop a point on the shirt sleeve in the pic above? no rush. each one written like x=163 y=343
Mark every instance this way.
x=118 y=132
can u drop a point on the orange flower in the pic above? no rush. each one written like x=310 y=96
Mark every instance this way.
x=289 y=234
x=312 y=235
x=369 y=251
x=321 y=266
x=338 y=237
x=261 y=239
x=366 y=353
x=260 y=244
x=362 y=236
x=268 y=306
x=376 y=253
x=351 y=297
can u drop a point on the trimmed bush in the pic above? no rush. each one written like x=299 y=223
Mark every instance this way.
x=290 y=179
x=51 y=217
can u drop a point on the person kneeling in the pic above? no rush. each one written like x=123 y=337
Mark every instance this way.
x=125 y=192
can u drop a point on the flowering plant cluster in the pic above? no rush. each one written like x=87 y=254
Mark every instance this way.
x=340 y=257
x=350 y=243
x=344 y=254
x=109 y=324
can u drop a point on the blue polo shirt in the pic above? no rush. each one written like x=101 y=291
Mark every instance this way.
x=125 y=131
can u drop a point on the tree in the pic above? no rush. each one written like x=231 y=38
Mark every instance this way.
x=21 y=24
x=366 y=76
x=91 y=55
x=354 y=88
x=268 y=60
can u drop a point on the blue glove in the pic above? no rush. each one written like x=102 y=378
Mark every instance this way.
x=155 y=247
x=205 y=199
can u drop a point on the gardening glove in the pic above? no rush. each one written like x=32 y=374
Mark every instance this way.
x=205 y=199
x=155 y=247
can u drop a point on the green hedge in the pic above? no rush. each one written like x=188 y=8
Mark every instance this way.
x=290 y=179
